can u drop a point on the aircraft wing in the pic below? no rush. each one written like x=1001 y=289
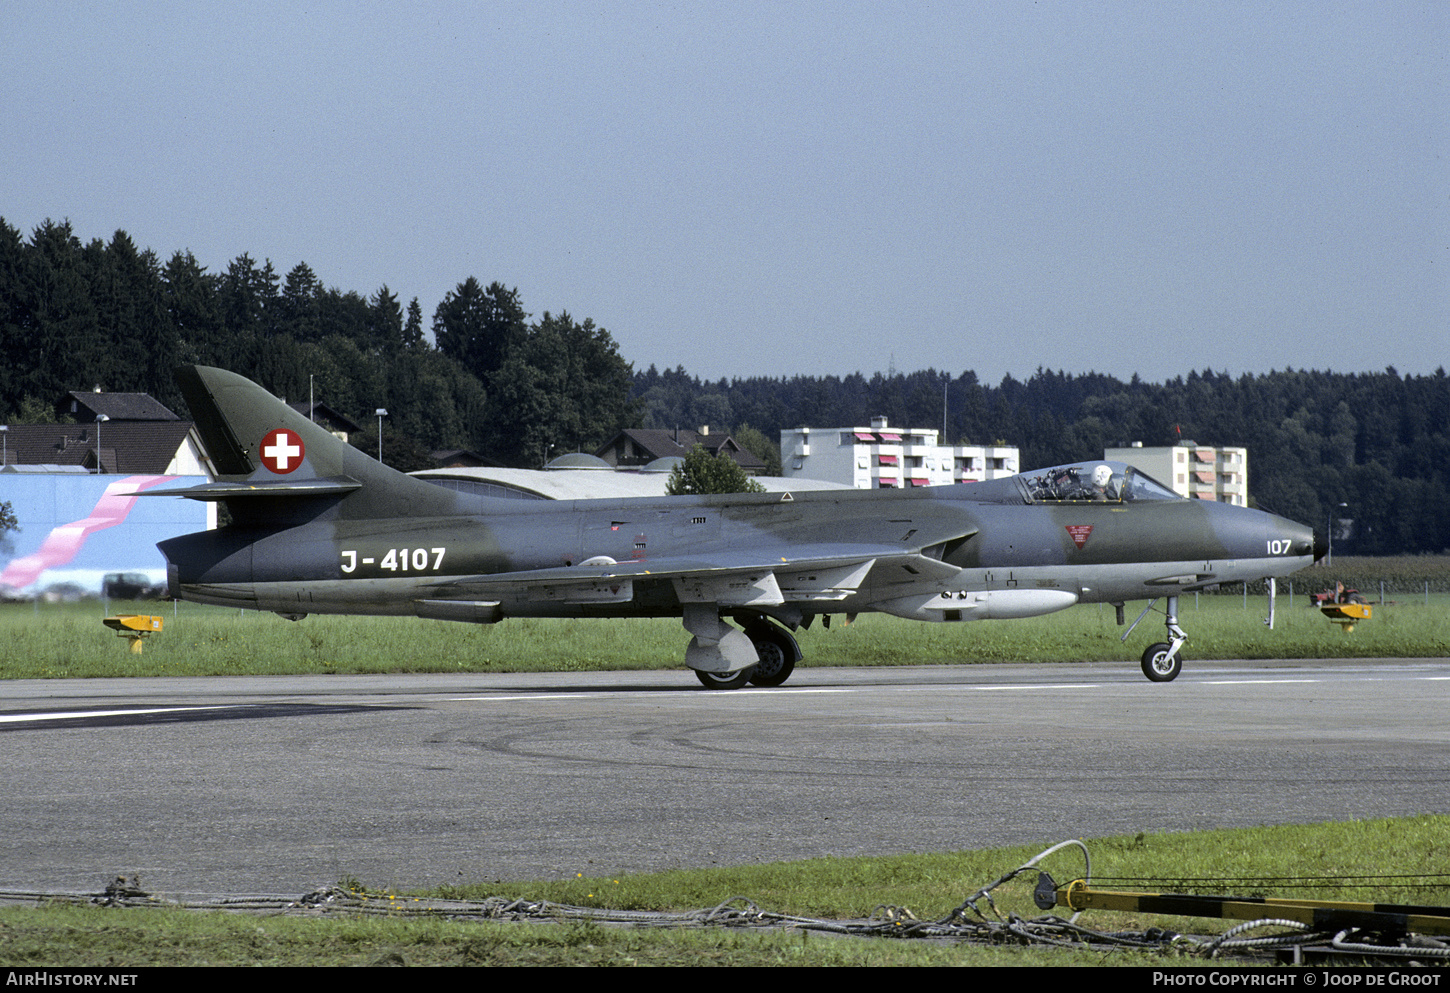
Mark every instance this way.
x=735 y=579
x=334 y=486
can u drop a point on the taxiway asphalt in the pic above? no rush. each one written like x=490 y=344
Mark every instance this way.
x=280 y=785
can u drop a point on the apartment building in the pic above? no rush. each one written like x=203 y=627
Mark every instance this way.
x=883 y=457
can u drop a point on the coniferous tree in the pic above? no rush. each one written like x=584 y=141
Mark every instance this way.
x=66 y=347
x=299 y=306
x=413 y=327
x=385 y=327
x=476 y=327
x=191 y=298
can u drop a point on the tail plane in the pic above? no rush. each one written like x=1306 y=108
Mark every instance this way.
x=268 y=459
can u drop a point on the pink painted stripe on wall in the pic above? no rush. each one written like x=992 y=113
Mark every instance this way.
x=62 y=544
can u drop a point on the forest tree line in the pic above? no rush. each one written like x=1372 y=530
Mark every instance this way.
x=484 y=374
x=1378 y=443
x=74 y=316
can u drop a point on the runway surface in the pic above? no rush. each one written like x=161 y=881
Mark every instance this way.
x=280 y=785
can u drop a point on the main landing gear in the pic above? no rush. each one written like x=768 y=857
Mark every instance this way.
x=1163 y=661
x=778 y=653
x=724 y=680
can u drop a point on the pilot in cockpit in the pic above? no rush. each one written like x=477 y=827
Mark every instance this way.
x=1102 y=487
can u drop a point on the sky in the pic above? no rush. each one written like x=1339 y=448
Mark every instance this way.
x=773 y=189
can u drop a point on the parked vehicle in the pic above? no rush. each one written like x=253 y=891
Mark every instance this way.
x=130 y=586
x=1340 y=594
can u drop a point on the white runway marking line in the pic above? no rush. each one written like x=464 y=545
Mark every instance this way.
x=527 y=696
x=1254 y=682
x=1044 y=686
x=594 y=696
x=981 y=687
x=74 y=714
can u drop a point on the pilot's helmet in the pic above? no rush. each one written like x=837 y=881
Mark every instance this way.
x=1102 y=476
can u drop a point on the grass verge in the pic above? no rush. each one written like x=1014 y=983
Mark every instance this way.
x=931 y=885
x=69 y=641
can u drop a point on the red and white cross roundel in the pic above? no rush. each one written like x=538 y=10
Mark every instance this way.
x=282 y=450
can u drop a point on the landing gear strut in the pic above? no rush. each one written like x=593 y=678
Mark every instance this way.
x=1163 y=661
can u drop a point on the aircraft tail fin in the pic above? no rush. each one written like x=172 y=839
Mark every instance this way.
x=263 y=451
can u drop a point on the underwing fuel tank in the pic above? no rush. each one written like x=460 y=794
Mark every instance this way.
x=984 y=605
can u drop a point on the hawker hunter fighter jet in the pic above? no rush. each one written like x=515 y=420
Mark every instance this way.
x=318 y=526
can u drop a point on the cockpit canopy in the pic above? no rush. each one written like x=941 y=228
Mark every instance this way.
x=1092 y=482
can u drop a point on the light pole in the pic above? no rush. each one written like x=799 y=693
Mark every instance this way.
x=1329 y=528
x=4 y=445
x=100 y=419
x=381 y=414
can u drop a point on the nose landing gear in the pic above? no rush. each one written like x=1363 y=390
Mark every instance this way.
x=1163 y=661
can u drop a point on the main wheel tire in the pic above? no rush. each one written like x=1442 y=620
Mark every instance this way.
x=724 y=680
x=777 y=661
x=1158 y=667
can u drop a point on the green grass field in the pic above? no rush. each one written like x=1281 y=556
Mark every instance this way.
x=59 y=641
x=930 y=886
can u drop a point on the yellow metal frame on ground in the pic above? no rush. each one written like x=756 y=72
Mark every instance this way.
x=1078 y=895
x=136 y=627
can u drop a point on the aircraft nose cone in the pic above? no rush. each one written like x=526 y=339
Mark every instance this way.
x=1290 y=537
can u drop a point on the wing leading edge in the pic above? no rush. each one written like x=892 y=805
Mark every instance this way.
x=729 y=580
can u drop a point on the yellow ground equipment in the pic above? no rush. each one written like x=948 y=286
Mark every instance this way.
x=1346 y=615
x=1078 y=895
x=136 y=627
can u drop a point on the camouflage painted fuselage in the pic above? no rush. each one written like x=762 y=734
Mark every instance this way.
x=319 y=527
x=921 y=542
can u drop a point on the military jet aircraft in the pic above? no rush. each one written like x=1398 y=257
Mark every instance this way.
x=318 y=526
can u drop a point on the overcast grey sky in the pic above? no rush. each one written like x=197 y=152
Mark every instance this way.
x=782 y=188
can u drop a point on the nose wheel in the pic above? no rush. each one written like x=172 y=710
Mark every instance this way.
x=1161 y=664
x=1163 y=660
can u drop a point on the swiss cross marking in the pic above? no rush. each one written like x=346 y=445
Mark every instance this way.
x=1079 y=533
x=282 y=450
